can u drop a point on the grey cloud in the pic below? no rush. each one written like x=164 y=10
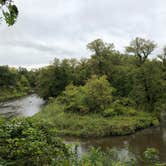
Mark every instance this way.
x=60 y=28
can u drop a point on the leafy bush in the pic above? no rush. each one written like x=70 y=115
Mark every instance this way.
x=128 y=102
x=21 y=143
x=73 y=99
x=110 y=112
x=98 y=93
x=94 y=96
x=131 y=111
x=151 y=156
x=117 y=109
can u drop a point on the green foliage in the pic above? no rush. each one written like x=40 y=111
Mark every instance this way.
x=151 y=156
x=13 y=83
x=134 y=77
x=94 y=96
x=24 y=83
x=148 y=87
x=124 y=107
x=28 y=142
x=141 y=48
x=73 y=98
x=125 y=101
x=91 y=125
x=109 y=112
x=11 y=14
x=98 y=93
x=8 y=77
x=53 y=79
x=97 y=157
x=22 y=143
x=119 y=110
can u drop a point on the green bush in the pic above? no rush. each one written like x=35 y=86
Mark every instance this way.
x=128 y=102
x=73 y=99
x=110 y=112
x=131 y=111
x=117 y=109
x=22 y=143
x=94 y=96
x=151 y=156
x=98 y=93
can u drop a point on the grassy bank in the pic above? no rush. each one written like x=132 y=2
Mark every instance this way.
x=92 y=125
x=10 y=94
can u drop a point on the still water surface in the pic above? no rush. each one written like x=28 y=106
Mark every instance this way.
x=127 y=146
x=25 y=106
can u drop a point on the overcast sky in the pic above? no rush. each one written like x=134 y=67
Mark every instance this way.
x=62 y=28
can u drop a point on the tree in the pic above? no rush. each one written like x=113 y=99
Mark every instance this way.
x=10 y=15
x=141 y=48
x=162 y=57
x=101 y=52
x=53 y=79
x=99 y=47
x=8 y=77
x=147 y=86
x=98 y=93
x=82 y=72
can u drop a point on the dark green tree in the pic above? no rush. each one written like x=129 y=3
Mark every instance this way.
x=141 y=48
x=101 y=52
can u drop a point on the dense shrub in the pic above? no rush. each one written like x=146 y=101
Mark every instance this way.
x=122 y=106
x=151 y=156
x=94 y=96
x=98 y=93
x=22 y=143
x=13 y=83
x=125 y=101
x=117 y=110
x=73 y=99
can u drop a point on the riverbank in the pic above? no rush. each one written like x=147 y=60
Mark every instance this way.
x=92 y=125
x=6 y=95
x=23 y=143
x=9 y=94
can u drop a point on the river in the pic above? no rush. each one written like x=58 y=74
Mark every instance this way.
x=25 y=106
x=131 y=145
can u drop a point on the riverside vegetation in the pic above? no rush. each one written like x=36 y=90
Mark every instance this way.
x=24 y=143
x=15 y=82
x=111 y=93
x=89 y=110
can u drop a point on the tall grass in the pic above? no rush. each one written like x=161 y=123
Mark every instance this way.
x=91 y=125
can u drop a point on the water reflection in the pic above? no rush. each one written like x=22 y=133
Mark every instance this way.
x=131 y=146
x=26 y=106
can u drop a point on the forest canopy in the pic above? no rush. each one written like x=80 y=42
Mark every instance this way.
x=132 y=75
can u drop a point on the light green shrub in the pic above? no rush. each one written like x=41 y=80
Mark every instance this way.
x=94 y=96
x=98 y=93
x=117 y=109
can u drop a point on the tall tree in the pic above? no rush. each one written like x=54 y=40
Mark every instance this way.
x=141 y=48
x=101 y=52
x=99 y=47
x=162 y=57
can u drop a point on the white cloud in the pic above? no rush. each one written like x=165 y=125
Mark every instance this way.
x=60 y=28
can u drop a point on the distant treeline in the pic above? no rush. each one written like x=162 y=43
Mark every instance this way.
x=15 y=82
x=131 y=74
